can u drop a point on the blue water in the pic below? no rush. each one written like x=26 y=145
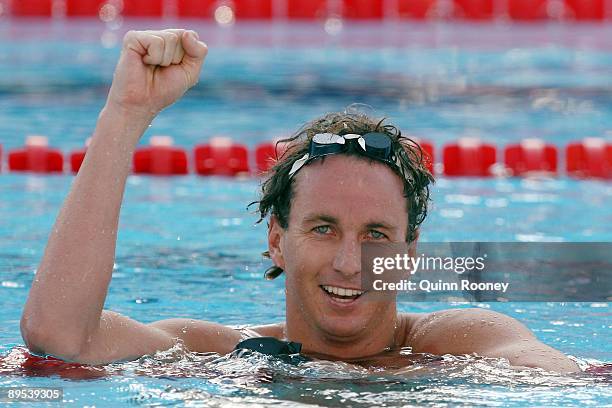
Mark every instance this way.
x=188 y=247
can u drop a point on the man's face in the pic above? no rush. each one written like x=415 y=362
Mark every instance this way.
x=338 y=204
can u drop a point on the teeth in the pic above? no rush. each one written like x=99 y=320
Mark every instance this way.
x=342 y=291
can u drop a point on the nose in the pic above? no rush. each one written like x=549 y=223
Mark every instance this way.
x=348 y=257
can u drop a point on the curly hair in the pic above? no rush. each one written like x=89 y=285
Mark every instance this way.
x=277 y=189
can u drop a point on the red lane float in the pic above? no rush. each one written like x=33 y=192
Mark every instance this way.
x=36 y=157
x=19 y=361
x=266 y=155
x=469 y=157
x=522 y=10
x=528 y=10
x=363 y=9
x=463 y=9
x=0 y=158
x=416 y=9
x=196 y=8
x=474 y=9
x=428 y=155
x=77 y=157
x=253 y=9
x=591 y=157
x=531 y=156
x=226 y=12
x=428 y=152
x=142 y=8
x=84 y=8
x=585 y=9
x=306 y=9
x=221 y=157
x=32 y=8
x=160 y=158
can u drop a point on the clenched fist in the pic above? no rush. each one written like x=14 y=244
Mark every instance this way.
x=155 y=69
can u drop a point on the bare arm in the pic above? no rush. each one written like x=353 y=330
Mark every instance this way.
x=63 y=315
x=486 y=333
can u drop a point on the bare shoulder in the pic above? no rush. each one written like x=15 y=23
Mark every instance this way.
x=203 y=336
x=486 y=333
x=458 y=331
x=458 y=317
x=408 y=323
x=200 y=335
x=270 y=330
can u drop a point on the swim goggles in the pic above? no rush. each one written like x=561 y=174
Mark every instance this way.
x=375 y=145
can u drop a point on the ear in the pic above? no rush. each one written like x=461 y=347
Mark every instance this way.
x=275 y=233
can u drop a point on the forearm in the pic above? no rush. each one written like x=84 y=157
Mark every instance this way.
x=68 y=292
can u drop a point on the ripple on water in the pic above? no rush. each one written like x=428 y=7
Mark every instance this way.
x=177 y=375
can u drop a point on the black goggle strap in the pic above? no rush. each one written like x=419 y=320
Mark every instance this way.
x=325 y=141
x=322 y=144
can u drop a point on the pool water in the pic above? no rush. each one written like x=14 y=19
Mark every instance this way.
x=189 y=248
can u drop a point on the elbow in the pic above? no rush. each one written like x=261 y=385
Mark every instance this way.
x=560 y=367
x=43 y=340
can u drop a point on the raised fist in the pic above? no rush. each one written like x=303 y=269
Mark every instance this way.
x=155 y=69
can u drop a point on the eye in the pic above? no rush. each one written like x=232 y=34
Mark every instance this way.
x=322 y=229
x=377 y=234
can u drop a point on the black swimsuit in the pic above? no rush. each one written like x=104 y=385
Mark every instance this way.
x=288 y=351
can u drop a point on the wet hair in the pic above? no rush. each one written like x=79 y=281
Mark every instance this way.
x=277 y=188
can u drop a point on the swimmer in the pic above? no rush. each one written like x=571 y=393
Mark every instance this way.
x=369 y=188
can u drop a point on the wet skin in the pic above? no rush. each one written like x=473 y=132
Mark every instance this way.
x=340 y=203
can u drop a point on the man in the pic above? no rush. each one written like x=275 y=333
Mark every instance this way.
x=321 y=211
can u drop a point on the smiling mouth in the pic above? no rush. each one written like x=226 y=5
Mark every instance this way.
x=342 y=294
